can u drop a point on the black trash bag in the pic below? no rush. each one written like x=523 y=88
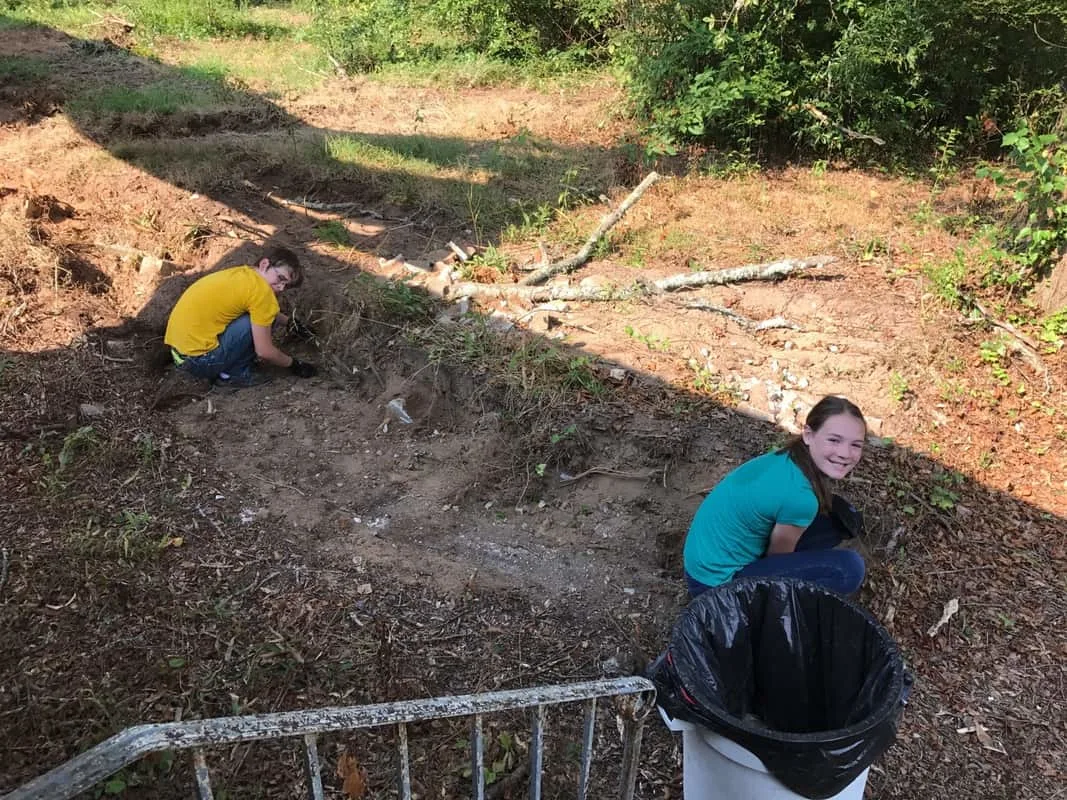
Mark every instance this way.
x=802 y=678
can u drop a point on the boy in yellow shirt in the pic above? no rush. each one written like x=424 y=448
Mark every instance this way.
x=222 y=323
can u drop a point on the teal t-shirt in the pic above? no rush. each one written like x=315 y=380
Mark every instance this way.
x=733 y=525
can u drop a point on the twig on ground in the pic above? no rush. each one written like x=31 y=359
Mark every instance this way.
x=570 y=264
x=743 y=321
x=349 y=209
x=277 y=485
x=245 y=227
x=613 y=472
x=1022 y=344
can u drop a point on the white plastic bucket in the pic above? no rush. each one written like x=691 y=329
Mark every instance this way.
x=716 y=768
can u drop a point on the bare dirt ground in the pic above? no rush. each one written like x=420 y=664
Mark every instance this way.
x=295 y=545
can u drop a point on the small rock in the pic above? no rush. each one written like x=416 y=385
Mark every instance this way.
x=500 y=322
x=617 y=374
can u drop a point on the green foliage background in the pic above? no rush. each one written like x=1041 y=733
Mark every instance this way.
x=365 y=35
x=888 y=78
x=749 y=73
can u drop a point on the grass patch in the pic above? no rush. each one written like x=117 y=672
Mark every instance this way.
x=23 y=68
x=185 y=19
x=478 y=71
x=333 y=232
x=417 y=154
x=165 y=97
x=274 y=67
x=65 y=17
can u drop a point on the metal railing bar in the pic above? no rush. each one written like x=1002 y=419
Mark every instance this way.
x=85 y=770
x=588 y=728
x=537 y=751
x=203 y=776
x=404 y=767
x=477 y=759
x=632 y=729
x=314 y=768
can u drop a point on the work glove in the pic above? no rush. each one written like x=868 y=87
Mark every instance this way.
x=302 y=369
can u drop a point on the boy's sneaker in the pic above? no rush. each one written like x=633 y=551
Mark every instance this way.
x=249 y=379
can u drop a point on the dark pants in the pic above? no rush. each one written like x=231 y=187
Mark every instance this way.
x=233 y=355
x=815 y=559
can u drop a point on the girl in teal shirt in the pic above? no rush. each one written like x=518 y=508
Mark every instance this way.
x=770 y=517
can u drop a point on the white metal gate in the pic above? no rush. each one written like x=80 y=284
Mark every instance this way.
x=636 y=698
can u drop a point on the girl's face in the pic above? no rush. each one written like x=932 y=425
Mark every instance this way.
x=837 y=446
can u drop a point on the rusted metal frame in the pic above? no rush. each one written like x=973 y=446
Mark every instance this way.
x=86 y=770
x=588 y=727
x=203 y=776
x=313 y=766
x=404 y=763
x=537 y=751
x=477 y=759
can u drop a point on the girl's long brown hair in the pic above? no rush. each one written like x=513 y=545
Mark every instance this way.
x=829 y=406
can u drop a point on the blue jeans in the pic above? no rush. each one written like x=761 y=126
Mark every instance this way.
x=233 y=355
x=814 y=559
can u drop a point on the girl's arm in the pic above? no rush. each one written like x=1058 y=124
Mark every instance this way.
x=784 y=539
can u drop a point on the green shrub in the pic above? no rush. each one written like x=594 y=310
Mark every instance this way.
x=744 y=74
x=1037 y=233
x=363 y=36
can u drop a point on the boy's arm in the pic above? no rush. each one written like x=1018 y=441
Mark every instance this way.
x=266 y=349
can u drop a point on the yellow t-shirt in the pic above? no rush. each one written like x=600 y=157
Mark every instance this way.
x=213 y=302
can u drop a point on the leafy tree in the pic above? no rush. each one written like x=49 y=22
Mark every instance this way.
x=838 y=73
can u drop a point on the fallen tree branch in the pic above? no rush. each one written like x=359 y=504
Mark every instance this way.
x=851 y=134
x=246 y=227
x=743 y=321
x=541 y=294
x=640 y=476
x=327 y=208
x=606 y=224
x=750 y=272
x=1022 y=344
x=350 y=209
